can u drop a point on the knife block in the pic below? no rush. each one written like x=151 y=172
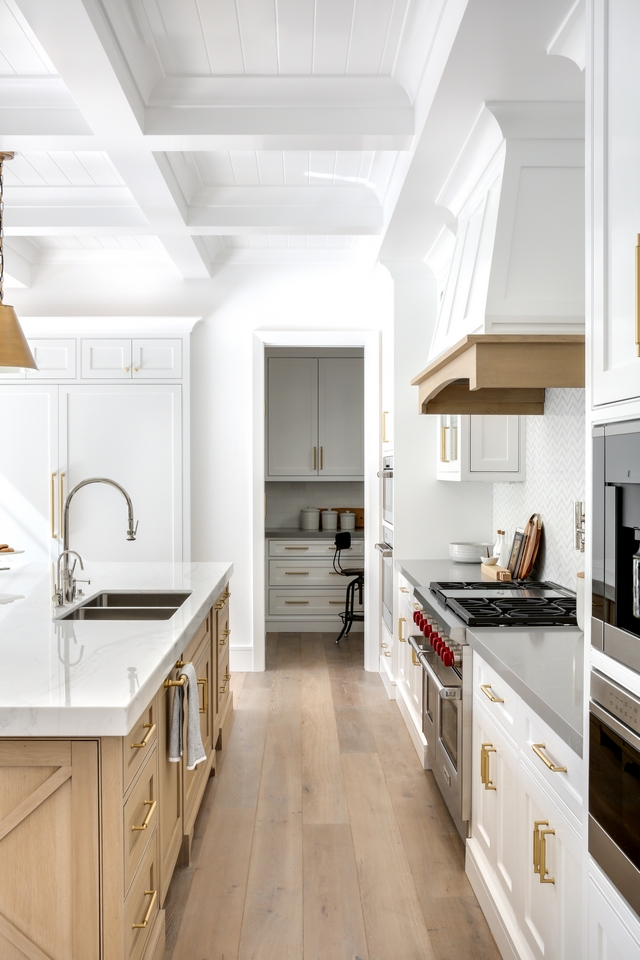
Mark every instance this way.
x=495 y=573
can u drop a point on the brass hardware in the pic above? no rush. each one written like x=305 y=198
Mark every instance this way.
x=126 y=369
x=227 y=677
x=386 y=653
x=145 y=823
x=225 y=636
x=543 y=857
x=296 y=602
x=486 y=689
x=536 y=843
x=384 y=644
x=315 y=451
x=299 y=548
x=638 y=296
x=135 y=369
x=454 y=443
x=296 y=573
x=223 y=689
x=414 y=659
x=416 y=606
x=443 y=445
x=485 y=777
x=336 y=603
x=61 y=499
x=322 y=458
x=404 y=590
x=205 y=690
x=180 y=663
x=401 y=620
x=385 y=414
x=149 y=727
x=154 y=896
x=52 y=506
x=537 y=749
x=176 y=683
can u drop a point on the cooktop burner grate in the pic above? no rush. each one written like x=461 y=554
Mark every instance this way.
x=525 y=603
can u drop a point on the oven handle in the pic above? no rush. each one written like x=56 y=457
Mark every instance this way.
x=384 y=549
x=616 y=725
x=385 y=474
x=445 y=693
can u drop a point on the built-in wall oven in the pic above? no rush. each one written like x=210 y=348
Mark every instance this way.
x=386 y=475
x=616 y=542
x=614 y=784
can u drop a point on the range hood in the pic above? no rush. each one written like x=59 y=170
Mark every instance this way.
x=510 y=267
x=501 y=374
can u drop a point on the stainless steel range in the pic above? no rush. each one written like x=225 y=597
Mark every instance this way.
x=440 y=643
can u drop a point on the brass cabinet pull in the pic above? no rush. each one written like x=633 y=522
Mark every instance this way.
x=315 y=453
x=135 y=369
x=296 y=573
x=386 y=653
x=205 y=690
x=384 y=645
x=52 y=505
x=176 y=683
x=223 y=689
x=145 y=823
x=638 y=296
x=537 y=749
x=224 y=637
x=443 y=445
x=416 y=606
x=401 y=620
x=126 y=369
x=149 y=727
x=321 y=458
x=485 y=777
x=336 y=603
x=414 y=659
x=543 y=857
x=486 y=689
x=404 y=590
x=536 y=843
x=454 y=443
x=385 y=414
x=154 y=896
x=301 y=548
x=61 y=499
x=227 y=677
x=296 y=602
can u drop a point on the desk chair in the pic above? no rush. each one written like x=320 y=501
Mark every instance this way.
x=356 y=582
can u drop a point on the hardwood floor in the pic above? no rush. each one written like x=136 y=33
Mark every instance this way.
x=322 y=838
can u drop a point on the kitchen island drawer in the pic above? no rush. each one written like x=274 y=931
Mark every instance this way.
x=303 y=573
x=309 y=603
x=312 y=548
x=142 y=904
x=139 y=743
x=496 y=695
x=552 y=759
x=139 y=817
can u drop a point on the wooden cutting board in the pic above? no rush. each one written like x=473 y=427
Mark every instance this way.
x=532 y=536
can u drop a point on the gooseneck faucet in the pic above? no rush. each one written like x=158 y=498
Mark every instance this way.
x=132 y=527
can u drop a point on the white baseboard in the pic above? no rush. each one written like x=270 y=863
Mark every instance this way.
x=417 y=736
x=493 y=904
x=309 y=626
x=387 y=679
x=241 y=659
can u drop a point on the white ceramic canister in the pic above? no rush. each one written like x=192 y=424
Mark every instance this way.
x=347 y=520
x=329 y=519
x=580 y=599
x=310 y=518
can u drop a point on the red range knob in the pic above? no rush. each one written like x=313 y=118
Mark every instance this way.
x=434 y=638
x=448 y=658
x=417 y=616
x=424 y=630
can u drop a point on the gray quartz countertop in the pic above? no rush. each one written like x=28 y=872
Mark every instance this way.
x=294 y=533
x=543 y=665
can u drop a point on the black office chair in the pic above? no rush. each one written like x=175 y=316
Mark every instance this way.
x=348 y=616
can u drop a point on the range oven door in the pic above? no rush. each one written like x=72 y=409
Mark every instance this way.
x=446 y=726
x=386 y=550
x=614 y=786
x=386 y=475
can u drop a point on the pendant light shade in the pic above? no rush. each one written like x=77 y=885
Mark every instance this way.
x=14 y=349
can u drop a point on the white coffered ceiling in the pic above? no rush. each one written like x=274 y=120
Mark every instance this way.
x=202 y=131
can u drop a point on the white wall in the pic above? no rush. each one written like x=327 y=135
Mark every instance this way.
x=238 y=301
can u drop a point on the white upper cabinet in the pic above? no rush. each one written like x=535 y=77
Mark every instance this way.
x=341 y=417
x=315 y=418
x=55 y=359
x=486 y=448
x=148 y=359
x=516 y=191
x=156 y=359
x=613 y=103
x=106 y=359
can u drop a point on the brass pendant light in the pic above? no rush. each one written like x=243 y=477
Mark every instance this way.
x=14 y=349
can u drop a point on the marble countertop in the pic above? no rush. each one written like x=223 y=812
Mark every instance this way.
x=544 y=666
x=294 y=533
x=64 y=678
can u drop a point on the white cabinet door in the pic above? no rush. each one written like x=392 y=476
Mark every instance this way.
x=56 y=359
x=341 y=416
x=106 y=359
x=614 y=103
x=494 y=793
x=157 y=359
x=130 y=434
x=613 y=935
x=494 y=444
x=28 y=469
x=292 y=409
x=550 y=914
x=449 y=466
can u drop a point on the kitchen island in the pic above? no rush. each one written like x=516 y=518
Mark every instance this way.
x=93 y=816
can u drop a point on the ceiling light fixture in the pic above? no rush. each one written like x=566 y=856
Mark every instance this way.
x=14 y=349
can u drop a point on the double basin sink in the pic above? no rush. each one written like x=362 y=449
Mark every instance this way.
x=124 y=605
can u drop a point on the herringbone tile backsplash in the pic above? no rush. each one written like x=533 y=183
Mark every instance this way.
x=555 y=465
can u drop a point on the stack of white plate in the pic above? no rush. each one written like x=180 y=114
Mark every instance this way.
x=469 y=552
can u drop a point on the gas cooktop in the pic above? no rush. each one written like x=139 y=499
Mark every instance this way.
x=517 y=603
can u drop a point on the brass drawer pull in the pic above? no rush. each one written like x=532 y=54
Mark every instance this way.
x=486 y=689
x=205 y=690
x=385 y=414
x=145 y=823
x=543 y=857
x=386 y=653
x=443 y=445
x=223 y=689
x=404 y=590
x=401 y=620
x=416 y=606
x=536 y=843
x=299 y=548
x=296 y=573
x=414 y=659
x=224 y=637
x=227 y=677
x=537 y=749
x=296 y=602
x=145 y=923
x=149 y=727
x=336 y=603
x=485 y=776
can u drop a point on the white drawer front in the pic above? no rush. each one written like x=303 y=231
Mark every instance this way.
x=304 y=573
x=313 y=548
x=312 y=603
x=496 y=695
x=566 y=784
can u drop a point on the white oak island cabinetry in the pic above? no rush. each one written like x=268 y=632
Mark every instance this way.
x=93 y=815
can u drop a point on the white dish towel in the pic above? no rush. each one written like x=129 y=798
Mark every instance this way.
x=195 y=750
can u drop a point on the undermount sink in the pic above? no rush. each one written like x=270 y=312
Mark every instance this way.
x=120 y=605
